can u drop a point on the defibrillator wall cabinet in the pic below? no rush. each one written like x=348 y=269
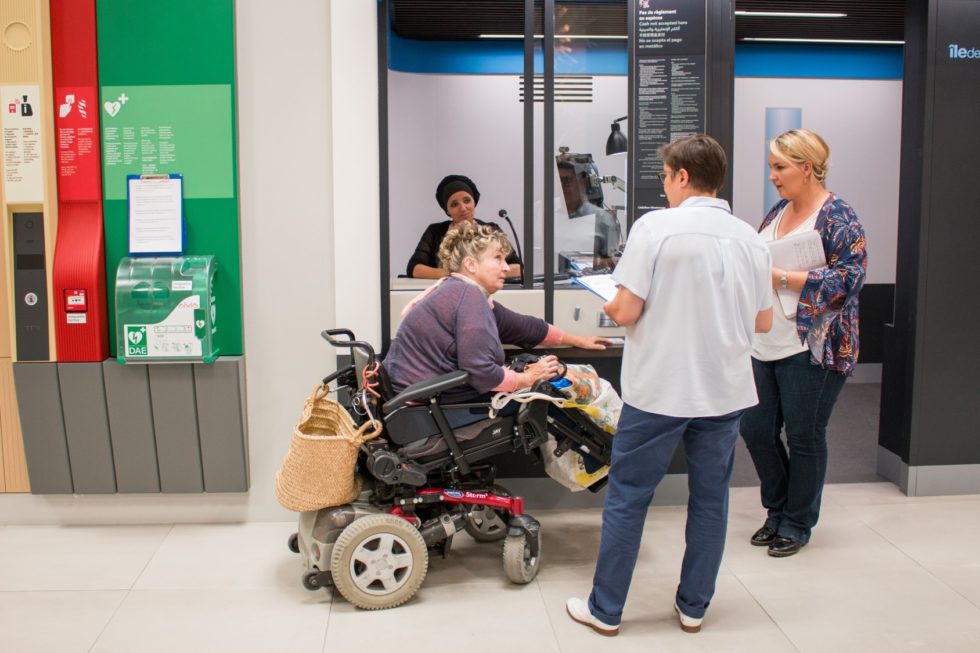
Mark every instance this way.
x=165 y=309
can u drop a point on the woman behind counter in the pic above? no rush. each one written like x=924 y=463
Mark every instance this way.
x=457 y=196
x=454 y=325
x=800 y=366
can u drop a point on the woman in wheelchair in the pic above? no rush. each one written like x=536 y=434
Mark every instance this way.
x=456 y=325
x=432 y=470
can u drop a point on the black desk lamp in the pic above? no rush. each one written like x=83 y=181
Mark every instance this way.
x=616 y=143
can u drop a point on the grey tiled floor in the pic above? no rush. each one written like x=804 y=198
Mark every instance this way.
x=883 y=573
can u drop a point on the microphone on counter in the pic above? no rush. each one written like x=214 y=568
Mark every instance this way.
x=517 y=241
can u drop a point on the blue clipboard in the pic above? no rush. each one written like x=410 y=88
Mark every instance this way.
x=155 y=215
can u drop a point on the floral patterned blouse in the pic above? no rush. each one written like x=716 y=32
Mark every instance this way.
x=827 y=315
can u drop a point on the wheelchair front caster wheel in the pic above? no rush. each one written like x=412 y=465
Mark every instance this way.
x=314 y=580
x=520 y=565
x=379 y=561
x=293 y=543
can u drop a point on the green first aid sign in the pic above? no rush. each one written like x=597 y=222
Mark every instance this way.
x=136 y=340
x=150 y=130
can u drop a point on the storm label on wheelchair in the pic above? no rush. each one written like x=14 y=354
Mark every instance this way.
x=454 y=494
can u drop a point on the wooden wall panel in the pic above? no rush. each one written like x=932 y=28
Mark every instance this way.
x=13 y=464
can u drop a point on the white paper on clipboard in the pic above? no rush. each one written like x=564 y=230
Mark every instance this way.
x=156 y=215
x=600 y=284
x=798 y=252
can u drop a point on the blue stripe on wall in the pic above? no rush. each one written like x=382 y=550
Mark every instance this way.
x=819 y=61
x=490 y=57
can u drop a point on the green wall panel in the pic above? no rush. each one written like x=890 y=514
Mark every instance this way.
x=167 y=78
x=166 y=42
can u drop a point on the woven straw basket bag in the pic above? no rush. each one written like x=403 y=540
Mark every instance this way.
x=319 y=468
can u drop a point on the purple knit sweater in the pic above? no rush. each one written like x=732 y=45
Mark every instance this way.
x=454 y=328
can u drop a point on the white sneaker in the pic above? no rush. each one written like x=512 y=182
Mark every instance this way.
x=688 y=624
x=579 y=611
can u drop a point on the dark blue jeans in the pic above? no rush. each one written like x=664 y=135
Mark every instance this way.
x=800 y=396
x=642 y=450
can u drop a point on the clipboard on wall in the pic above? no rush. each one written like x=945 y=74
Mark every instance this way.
x=155 y=215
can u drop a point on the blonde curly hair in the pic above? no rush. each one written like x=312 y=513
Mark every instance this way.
x=469 y=239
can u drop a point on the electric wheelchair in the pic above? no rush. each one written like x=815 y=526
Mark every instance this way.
x=428 y=476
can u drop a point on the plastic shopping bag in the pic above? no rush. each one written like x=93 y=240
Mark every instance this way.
x=569 y=468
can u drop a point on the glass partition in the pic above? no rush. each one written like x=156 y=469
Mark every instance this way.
x=454 y=108
x=591 y=99
x=455 y=103
x=588 y=161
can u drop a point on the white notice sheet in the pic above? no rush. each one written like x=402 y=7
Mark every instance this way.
x=799 y=252
x=156 y=215
x=601 y=284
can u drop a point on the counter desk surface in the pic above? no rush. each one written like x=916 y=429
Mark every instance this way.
x=614 y=350
x=576 y=310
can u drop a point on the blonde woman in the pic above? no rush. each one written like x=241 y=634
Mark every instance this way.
x=455 y=325
x=800 y=366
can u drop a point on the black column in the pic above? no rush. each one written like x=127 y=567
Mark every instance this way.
x=930 y=413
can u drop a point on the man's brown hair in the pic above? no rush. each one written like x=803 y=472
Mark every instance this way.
x=702 y=157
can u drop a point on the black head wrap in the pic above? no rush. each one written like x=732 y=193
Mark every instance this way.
x=453 y=184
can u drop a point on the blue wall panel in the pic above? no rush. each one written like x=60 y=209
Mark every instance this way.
x=493 y=57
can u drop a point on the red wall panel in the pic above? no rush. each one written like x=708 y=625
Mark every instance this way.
x=81 y=322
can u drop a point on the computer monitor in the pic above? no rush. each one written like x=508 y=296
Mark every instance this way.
x=581 y=185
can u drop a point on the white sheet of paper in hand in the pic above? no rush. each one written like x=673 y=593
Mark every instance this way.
x=799 y=252
x=601 y=284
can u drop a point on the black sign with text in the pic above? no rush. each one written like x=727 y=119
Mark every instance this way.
x=668 y=28
x=668 y=72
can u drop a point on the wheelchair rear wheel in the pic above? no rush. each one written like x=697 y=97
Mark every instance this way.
x=379 y=561
x=520 y=565
x=484 y=524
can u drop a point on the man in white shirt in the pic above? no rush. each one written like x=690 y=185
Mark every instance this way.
x=694 y=284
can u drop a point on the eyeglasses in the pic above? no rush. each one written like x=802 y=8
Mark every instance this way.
x=663 y=175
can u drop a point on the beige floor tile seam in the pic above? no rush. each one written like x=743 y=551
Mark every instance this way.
x=326 y=627
x=855 y=513
x=108 y=621
x=766 y=612
x=922 y=566
x=551 y=622
x=131 y=589
x=909 y=556
x=149 y=559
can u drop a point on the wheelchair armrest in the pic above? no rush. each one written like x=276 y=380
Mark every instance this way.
x=426 y=389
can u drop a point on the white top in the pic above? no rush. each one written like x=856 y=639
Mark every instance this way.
x=782 y=341
x=704 y=276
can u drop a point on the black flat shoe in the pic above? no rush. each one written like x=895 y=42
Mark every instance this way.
x=763 y=537
x=783 y=547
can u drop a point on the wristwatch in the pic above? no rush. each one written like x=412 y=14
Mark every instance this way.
x=784 y=280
